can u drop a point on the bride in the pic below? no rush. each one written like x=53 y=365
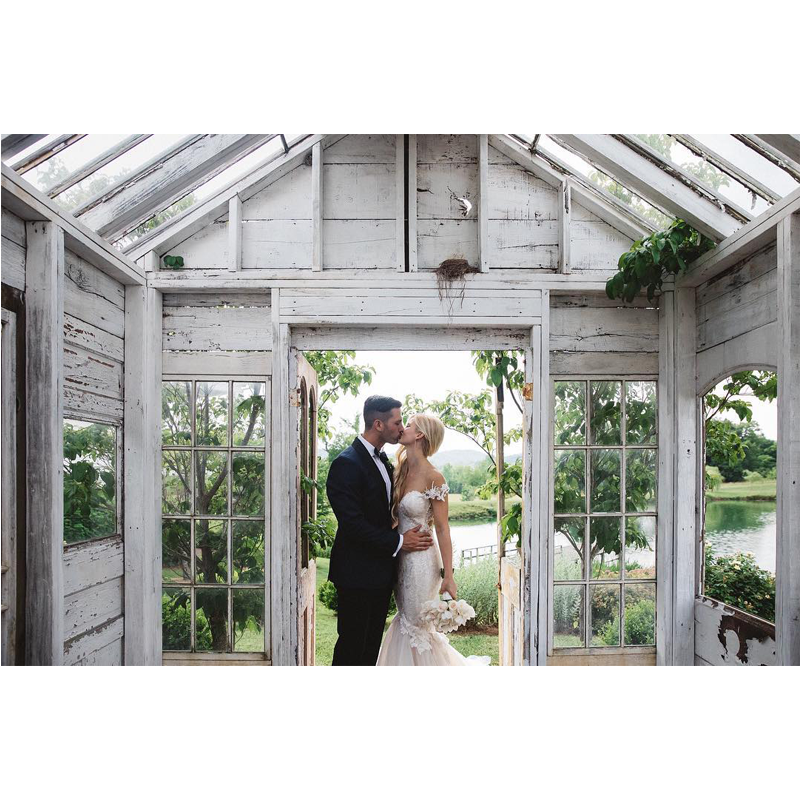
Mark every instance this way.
x=420 y=497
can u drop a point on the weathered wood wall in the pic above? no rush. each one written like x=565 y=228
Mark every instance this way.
x=94 y=355
x=591 y=335
x=729 y=637
x=362 y=213
x=13 y=251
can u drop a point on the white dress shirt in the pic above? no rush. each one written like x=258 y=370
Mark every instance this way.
x=386 y=479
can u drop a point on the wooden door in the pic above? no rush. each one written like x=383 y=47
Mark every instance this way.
x=9 y=509
x=306 y=393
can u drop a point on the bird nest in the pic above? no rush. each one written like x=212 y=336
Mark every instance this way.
x=451 y=280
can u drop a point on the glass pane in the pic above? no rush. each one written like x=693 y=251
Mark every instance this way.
x=176 y=421
x=570 y=412
x=640 y=412
x=176 y=621
x=248 y=484
x=248 y=552
x=568 y=550
x=570 y=481
x=605 y=480
x=176 y=548
x=605 y=541
x=640 y=548
x=248 y=620
x=211 y=480
x=641 y=476
x=211 y=551
x=90 y=480
x=212 y=414
x=211 y=622
x=249 y=417
x=176 y=478
x=605 y=616
x=640 y=614
x=568 y=616
x=606 y=403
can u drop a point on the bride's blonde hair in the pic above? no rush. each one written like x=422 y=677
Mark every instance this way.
x=432 y=429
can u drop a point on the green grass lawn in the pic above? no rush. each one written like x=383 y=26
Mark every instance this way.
x=467 y=644
x=472 y=510
x=744 y=490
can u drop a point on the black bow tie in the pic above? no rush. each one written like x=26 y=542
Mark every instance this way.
x=379 y=454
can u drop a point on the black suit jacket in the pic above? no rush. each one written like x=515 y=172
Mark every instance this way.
x=363 y=550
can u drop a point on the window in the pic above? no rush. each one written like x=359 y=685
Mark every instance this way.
x=214 y=437
x=90 y=481
x=605 y=467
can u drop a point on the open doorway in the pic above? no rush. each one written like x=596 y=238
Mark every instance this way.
x=460 y=387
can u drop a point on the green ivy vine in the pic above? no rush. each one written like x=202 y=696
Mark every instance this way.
x=651 y=259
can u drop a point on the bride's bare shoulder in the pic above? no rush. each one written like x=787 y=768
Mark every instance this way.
x=436 y=483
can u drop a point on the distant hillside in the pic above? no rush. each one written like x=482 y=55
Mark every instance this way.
x=469 y=458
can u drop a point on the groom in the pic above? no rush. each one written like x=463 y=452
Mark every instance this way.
x=364 y=554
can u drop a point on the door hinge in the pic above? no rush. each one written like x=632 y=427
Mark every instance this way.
x=294 y=398
x=527 y=391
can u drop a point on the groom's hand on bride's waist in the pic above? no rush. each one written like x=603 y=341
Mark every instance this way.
x=417 y=539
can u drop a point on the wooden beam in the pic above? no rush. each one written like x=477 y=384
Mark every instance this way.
x=46 y=152
x=234 y=234
x=142 y=476
x=726 y=166
x=786 y=143
x=400 y=202
x=14 y=143
x=198 y=216
x=316 y=208
x=164 y=180
x=44 y=367
x=412 y=203
x=483 y=201
x=684 y=176
x=787 y=594
x=750 y=238
x=652 y=182
x=29 y=204
x=772 y=154
x=564 y=221
x=97 y=163
x=523 y=156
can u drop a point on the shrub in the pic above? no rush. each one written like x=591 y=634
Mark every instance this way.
x=738 y=581
x=477 y=584
x=176 y=623
x=640 y=621
x=752 y=475
x=468 y=493
x=713 y=478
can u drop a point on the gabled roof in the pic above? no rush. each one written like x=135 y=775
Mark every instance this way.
x=151 y=196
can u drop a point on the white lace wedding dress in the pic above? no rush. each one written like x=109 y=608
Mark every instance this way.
x=409 y=642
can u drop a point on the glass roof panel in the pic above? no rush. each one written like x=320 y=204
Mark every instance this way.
x=749 y=161
x=23 y=154
x=113 y=172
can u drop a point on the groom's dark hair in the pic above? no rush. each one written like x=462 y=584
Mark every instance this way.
x=378 y=407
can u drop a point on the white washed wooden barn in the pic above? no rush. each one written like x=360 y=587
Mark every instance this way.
x=329 y=242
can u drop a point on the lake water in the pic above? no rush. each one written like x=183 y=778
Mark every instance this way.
x=731 y=526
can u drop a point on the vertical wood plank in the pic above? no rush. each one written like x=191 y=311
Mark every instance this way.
x=412 y=203
x=666 y=476
x=483 y=200
x=564 y=223
x=152 y=261
x=685 y=482
x=142 y=476
x=542 y=404
x=235 y=233
x=787 y=596
x=282 y=536
x=316 y=207
x=44 y=370
x=400 y=202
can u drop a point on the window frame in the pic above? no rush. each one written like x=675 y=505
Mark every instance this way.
x=587 y=515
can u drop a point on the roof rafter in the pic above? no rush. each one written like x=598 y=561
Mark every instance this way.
x=786 y=143
x=165 y=179
x=98 y=163
x=46 y=152
x=772 y=154
x=728 y=167
x=652 y=182
x=14 y=143
x=198 y=216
